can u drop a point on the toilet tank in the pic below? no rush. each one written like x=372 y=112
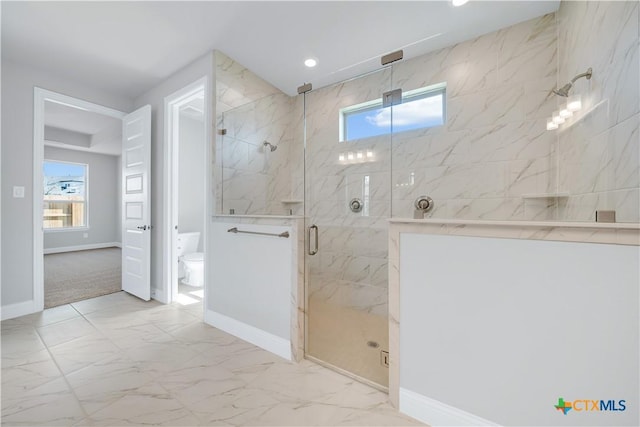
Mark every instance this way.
x=188 y=243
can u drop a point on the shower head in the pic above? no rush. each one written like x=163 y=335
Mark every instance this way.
x=270 y=145
x=564 y=90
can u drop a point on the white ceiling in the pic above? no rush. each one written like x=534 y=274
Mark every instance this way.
x=104 y=132
x=129 y=47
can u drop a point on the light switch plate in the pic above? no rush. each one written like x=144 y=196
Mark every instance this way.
x=18 y=192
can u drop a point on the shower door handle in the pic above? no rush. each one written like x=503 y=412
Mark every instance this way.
x=313 y=228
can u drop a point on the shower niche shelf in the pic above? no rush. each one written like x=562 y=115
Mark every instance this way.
x=561 y=195
x=291 y=201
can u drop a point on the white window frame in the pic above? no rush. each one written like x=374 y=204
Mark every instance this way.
x=408 y=96
x=86 y=199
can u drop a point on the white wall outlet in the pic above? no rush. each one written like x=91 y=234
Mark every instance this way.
x=18 y=192
x=85 y=235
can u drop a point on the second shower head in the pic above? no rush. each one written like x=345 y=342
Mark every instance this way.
x=270 y=145
x=564 y=90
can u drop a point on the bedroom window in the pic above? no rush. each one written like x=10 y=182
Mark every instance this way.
x=420 y=108
x=65 y=195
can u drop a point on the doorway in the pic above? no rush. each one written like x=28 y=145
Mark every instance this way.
x=77 y=147
x=186 y=157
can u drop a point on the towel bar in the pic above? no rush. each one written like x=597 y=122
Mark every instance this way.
x=284 y=234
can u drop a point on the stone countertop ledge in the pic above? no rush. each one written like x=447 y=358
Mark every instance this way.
x=520 y=224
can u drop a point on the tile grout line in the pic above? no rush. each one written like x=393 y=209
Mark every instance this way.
x=121 y=353
x=64 y=376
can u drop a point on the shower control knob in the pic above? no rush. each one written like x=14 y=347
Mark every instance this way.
x=355 y=205
x=424 y=203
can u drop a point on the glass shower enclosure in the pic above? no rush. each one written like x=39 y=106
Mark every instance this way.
x=347 y=206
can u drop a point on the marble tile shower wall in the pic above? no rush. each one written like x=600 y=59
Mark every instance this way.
x=351 y=267
x=598 y=158
x=251 y=179
x=256 y=179
x=492 y=153
x=494 y=148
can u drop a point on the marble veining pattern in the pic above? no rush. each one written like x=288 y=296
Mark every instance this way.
x=161 y=365
x=251 y=179
x=491 y=151
x=598 y=160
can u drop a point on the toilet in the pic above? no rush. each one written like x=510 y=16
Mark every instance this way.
x=190 y=262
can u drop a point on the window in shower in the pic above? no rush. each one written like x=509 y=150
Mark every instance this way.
x=65 y=195
x=420 y=108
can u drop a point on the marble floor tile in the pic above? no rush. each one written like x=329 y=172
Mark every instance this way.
x=20 y=340
x=105 y=382
x=21 y=378
x=82 y=352
x=67 y=330
x=49 y=316
x=49 y=404
x=12 y=360
x=147 y=405
x=117 y=360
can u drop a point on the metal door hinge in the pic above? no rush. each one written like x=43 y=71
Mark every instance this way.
x=392 y=57
x=393 y=97
x=304 y=88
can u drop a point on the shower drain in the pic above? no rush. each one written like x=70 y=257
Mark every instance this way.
x=373 y=344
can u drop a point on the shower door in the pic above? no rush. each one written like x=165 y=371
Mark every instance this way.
x=347 y=205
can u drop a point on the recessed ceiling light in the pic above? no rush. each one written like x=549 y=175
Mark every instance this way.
x=310 y=62
x=458 y=2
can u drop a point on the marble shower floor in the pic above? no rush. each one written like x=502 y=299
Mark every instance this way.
x=116 y=360
x=339 y=335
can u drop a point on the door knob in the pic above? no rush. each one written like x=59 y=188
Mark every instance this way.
x=141 y=227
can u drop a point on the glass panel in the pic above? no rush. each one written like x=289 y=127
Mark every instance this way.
x=428 y=160
x=346 y=289
x=367 y=123
x=420 y=108
x=64 y=194
x=256 y=147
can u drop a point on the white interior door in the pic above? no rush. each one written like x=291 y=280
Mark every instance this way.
x=136 y=216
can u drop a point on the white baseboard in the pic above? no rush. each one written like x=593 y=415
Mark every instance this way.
x=159 y=295
x=436 y=413
x=82 y=247
x=16 y=310
x=262 y=339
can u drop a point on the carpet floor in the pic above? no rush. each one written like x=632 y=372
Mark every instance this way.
x=79 y=275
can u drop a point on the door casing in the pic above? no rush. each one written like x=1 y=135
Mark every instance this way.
x=39 y=97
x=172 y=104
